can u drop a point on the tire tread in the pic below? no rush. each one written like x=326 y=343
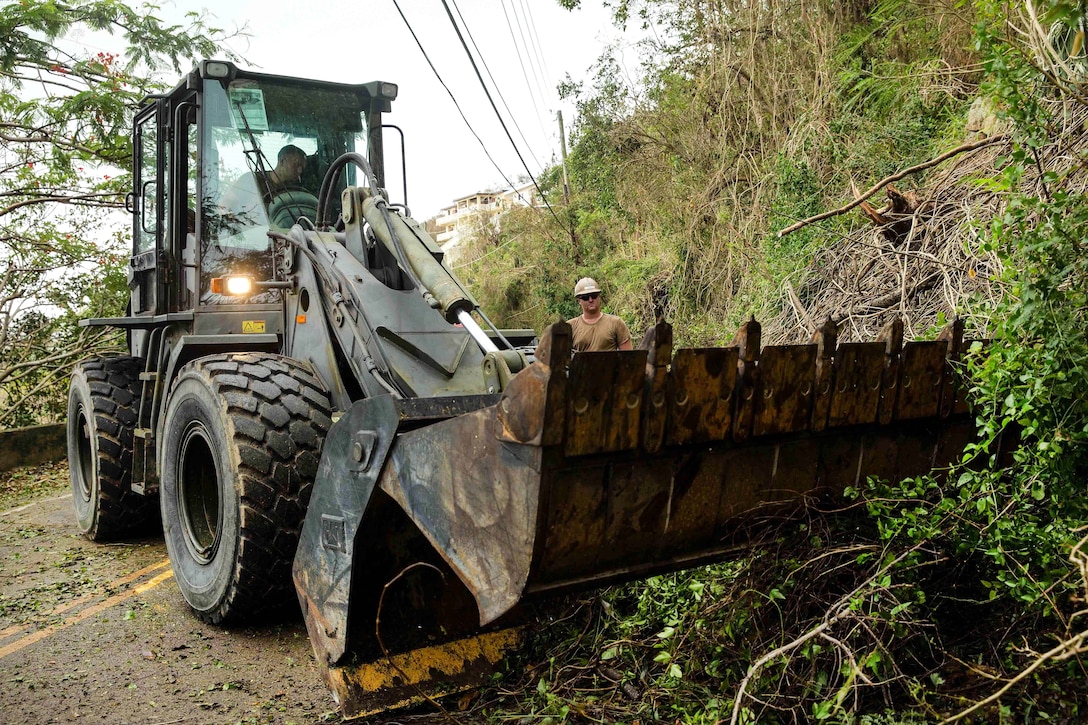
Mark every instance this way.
x=115 y=390
x=276 y=443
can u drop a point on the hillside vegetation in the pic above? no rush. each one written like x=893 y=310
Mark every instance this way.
x=915 y=602
x=753 y=116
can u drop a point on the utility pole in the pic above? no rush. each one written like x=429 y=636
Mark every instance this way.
x=566 y=187
x=563 y=152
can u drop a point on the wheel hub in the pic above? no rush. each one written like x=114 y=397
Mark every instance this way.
x=198 y=494
x=85 y=470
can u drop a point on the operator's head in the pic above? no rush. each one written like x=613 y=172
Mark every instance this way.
x=588 y=294
x=291 y=161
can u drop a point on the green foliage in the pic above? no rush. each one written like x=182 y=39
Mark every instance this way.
x=1029 y=383
x=930 y=593
x=1015 y=508
x=799 y=194
x=64 y=159
x=635 y=653
x=594 y=156
x=1020 y=514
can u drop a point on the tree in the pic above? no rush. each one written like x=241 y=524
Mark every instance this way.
x=65 y=155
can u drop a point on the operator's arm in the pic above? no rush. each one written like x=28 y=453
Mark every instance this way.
x=241 y=206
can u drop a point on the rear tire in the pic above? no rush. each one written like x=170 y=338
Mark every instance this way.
x=241 y=445
x=103 y=402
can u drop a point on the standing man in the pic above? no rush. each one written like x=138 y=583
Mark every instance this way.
x=594 y=330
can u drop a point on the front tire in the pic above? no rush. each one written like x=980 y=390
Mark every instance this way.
x=241 y=445
x=103 y=403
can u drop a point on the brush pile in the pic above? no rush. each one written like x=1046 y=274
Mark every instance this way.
x=927 y=257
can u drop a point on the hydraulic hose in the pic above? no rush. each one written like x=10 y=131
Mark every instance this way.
x=332 y=176
x=425 y=272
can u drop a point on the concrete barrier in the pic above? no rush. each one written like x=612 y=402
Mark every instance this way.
x=32 y=446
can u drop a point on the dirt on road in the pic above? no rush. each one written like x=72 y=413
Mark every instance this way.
x=93 y=633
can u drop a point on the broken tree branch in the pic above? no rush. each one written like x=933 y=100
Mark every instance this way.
x=964 y=148
x=810 y=324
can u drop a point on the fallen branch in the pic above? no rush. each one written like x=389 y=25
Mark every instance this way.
x=891 y=179
x=842 y=610
x=810 y=323
x=1072 y=647
x=767 y=657
x=1064 y=650
x=895 y=297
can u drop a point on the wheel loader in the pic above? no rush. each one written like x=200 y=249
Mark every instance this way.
x=319 y=412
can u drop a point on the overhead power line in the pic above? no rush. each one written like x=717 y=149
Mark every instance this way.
x=518 y=45
x=523 y=29
x=498 y=115
x=495 y=84
x=454 y=99
x=530 y=22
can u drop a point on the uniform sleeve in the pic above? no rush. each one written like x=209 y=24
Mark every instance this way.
x=621 y=333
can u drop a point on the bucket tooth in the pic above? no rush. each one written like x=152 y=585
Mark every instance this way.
x=747 y=342
x=892 y=337
x=826 y=339
x=952 y=398
x=655 y=408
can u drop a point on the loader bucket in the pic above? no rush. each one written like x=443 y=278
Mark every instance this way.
x=596 y=469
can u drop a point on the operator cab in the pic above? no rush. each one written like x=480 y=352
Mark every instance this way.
x=245 y=152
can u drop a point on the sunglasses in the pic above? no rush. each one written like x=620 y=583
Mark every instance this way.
x=589 y=296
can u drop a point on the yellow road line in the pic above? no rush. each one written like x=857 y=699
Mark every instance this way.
x=85 y=614
x=15 y=628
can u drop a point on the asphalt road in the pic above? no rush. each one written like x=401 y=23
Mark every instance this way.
x=93 y=633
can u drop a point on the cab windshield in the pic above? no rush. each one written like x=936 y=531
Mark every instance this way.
x=266 y=147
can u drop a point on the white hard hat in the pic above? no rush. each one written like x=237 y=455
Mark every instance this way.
x=585 y=286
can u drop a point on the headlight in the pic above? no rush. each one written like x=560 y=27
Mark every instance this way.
x=236 y=286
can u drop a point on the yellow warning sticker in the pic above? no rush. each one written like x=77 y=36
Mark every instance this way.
x=250 y=327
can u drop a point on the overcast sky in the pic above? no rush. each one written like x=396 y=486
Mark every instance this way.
x=367 y=40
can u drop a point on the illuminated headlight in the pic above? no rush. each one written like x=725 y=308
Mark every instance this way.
x=239 y=285
x=236 y=286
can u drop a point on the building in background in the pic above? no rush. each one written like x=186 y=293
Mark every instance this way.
x=480 y=211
